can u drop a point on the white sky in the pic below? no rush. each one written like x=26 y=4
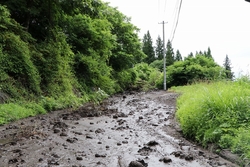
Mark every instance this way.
x=222 y=25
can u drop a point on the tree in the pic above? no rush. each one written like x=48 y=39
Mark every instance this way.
x=208 y=53
x=169 y=54
x=159 y=50
x=190 y=55
x=228 y=68
x=36 y=16
x=147 y=48
x=178 y=56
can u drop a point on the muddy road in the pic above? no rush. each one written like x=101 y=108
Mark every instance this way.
x=129 y=130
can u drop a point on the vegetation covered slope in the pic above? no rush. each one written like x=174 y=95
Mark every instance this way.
x=58 y=54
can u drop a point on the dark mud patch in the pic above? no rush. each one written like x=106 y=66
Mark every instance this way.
x=128 y=130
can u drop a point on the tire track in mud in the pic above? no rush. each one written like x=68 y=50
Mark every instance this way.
x=129 y=130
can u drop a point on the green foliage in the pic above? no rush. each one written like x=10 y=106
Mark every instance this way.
x=98 y=96
x=54 y=62
x=62 y=102
x=154 y=78
x=11 y=112
x=147 y=77
x=178 y=56
x=38 y=109
x=60 y=54
x=20 y=109
x=158 y=64
x=193 y=69
x=15 y=61
x=217 y=113
x=169 y=54
x=127 y=49
x=125 y=79
x=86 y=34
x=18 y=73
x=37 y=17
x=208 y=54
x=159 y=49
x=148 y=48
x=93 y=74
x=241 y=143
x=228 y=68
x=190 y=55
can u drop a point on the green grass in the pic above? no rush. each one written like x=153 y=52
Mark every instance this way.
x=15 y=110
x=217 y=113
x=12 y=112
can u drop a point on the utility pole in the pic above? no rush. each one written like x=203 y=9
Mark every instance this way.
x=164 y=57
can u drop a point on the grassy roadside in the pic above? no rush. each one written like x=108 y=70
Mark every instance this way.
x=217 y=113
x=16 y=110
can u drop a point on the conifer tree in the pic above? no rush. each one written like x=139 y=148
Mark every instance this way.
x=178 y=56
x=228 y=68
x=159 y=50
x=190 y=55
x=169 y=54
x=148 y=48
x=208 y=53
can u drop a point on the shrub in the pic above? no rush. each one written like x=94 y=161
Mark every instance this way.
x=147 y=76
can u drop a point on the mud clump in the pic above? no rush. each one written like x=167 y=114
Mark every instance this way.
x=152 y=143
x=145 y=151
x=166 y=160
x=135 y=164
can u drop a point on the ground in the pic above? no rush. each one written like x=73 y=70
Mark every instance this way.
x=127 y=130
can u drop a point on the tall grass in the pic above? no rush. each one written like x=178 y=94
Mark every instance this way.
x=217 y=113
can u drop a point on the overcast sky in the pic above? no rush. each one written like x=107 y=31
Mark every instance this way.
x=222 y=25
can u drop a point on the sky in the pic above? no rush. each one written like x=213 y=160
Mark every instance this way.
x=222 y=25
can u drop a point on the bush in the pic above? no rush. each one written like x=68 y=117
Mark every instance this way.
x=147 y=77
x=193 y=69
x=124 y=79
x=62 y=102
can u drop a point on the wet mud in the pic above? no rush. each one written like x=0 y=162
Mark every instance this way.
x=127 y=130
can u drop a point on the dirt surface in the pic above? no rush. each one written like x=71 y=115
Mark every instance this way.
x=129 y=130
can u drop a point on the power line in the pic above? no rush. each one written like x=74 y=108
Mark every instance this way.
x=165 y=6
x=177 y=20
x=174 y=16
